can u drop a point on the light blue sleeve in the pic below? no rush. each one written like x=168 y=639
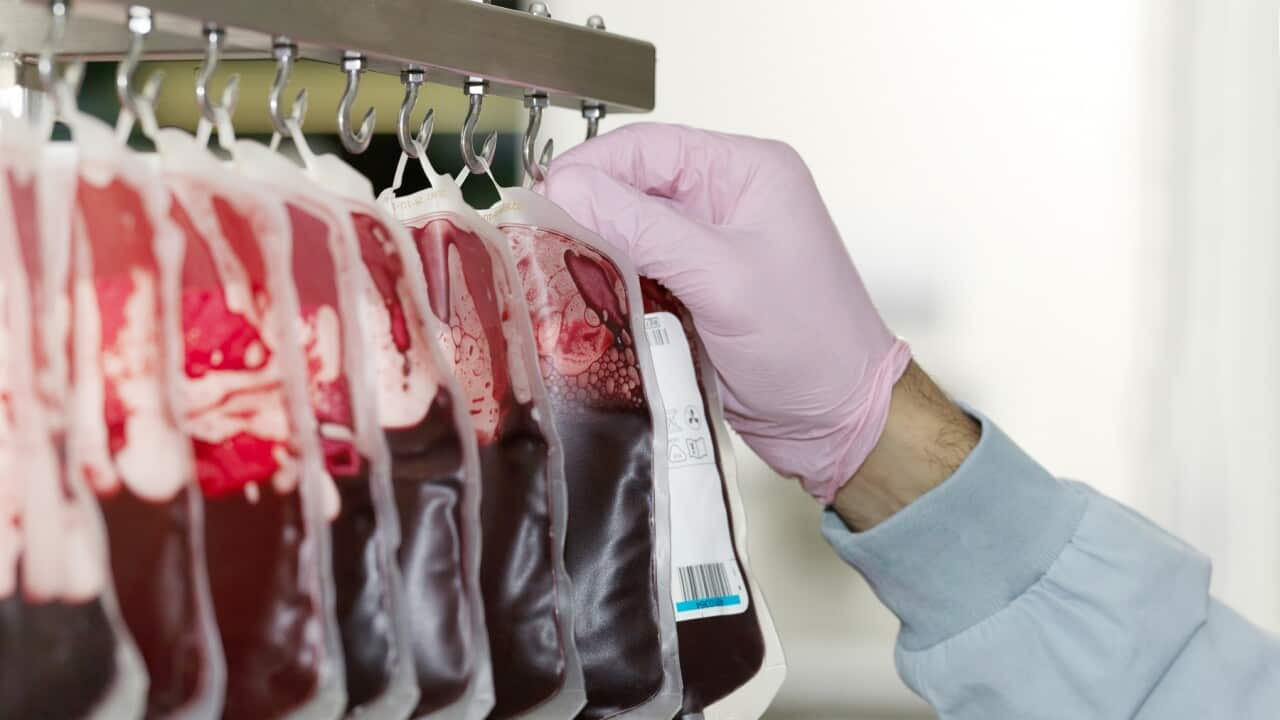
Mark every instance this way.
x=1025 y=596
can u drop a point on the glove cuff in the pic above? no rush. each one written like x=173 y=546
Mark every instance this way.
x=865 y=433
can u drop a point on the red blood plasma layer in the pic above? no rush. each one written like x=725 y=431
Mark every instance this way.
x=26 y=221
x=259 y=553
x=717 y=654
x=580 y=312
x=517 y=571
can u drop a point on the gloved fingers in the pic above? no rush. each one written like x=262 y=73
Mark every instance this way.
x=702 y=172
x=661 y=242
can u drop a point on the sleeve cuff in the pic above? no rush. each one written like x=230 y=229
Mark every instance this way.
x=967 y=548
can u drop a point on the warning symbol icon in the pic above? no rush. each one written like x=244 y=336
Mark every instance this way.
x=675 y=454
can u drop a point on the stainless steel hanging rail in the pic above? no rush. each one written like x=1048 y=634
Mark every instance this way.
x=454 y=39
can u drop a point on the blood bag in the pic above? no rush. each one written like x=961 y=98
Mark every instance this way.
x=730 y=656
x=585 y=305
x=368 y=597
x=259 y=463
x=121 y=277
x=475 y=295
x=434 y=465
x=63 y=646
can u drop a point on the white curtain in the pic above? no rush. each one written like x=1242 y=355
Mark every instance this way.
x=1215 y=478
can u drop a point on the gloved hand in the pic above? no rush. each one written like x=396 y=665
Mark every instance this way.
x=736 y=228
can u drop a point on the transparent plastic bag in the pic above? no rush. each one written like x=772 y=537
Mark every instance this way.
x=475 y=295
x=368 y=592
x=434 y=466
x=122 y=265
x=64 y=650
x=730 y=657
x=258 y=460
x=586 y=308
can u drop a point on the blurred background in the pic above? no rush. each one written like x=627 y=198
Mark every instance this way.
x=1070 y=208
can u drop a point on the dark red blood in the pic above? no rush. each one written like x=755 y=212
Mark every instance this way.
x=717 y=654
x=156 y=567
x=428 y=479
x=58 y=657
x=362 y=602
x=596 y=287
x=516 y=570
x=605 y=427
x=269 y=621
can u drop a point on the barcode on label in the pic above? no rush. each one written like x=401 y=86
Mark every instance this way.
x=658 y=336
x=705 y=582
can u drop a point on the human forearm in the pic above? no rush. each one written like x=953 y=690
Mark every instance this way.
x=1022 y=595
x=926 y=437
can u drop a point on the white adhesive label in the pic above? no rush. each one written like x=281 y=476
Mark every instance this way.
x=706 y=581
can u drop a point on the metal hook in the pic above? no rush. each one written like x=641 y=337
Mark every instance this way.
x=413 y=78
x=144 y=109
x=298 y=113
x=536 y=101
x=489 y=149
x=535 y=167
x=214 y=36
x=593 y=111
x=355 y=142
x=46 y=63
x=285 y=53
x=140 y=25
x=548 y=152
x=62 y=91
x=475 y=89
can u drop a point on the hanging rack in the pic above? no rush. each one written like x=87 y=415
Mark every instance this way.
x=454 y=41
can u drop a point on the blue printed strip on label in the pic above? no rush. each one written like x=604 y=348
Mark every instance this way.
x=704 y=603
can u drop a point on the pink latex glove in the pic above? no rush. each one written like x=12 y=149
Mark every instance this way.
x=736 y=228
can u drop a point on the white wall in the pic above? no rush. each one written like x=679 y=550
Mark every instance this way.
x=1004 y=173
